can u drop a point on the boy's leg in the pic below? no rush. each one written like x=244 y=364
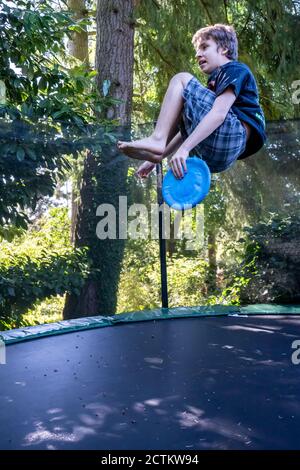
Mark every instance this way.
x=167 y=122
x=140 y=154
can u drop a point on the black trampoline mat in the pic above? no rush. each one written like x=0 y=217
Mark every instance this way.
x=194 y=383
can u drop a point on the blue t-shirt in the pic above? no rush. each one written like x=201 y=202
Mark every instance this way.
x=246 y=106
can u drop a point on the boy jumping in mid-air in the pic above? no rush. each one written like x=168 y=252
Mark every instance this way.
x=219 y=123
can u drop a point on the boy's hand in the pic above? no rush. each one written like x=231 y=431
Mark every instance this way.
x=178 y=161
x=145 y=169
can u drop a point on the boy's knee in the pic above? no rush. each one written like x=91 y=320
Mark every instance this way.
x=184 y=77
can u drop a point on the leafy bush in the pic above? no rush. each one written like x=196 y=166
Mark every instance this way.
x=49 y=106
x=39 y=264
x=270 y=271
x=140 y=281
x=45 y=311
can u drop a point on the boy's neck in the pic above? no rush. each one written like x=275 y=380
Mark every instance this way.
x=222 y=62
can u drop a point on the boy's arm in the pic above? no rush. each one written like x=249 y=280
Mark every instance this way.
x=173 y=145
x=146 y=168
x=213 y=119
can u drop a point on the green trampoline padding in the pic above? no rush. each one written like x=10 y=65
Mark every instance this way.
x=78 y=324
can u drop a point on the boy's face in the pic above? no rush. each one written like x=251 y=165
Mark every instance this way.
x=208 y=56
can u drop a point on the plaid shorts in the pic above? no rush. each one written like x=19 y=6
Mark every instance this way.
x=221 y=148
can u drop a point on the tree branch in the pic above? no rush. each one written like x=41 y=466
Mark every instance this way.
x=226 y=12
x=206 y=10
x=157 y=50
x=156 y=4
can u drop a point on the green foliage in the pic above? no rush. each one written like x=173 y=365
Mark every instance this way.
x=48 y=310
x=49 y=107
x=49 y=120
x=215 y=205
x=139 y=286
x=270 y=270
x=39 y=264
x=41 y=81
x=23 y=280
x=267 y=34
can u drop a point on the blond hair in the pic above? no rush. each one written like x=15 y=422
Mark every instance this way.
x=223 y=34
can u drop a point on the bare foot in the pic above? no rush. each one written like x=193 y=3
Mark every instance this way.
x=139 y=154
x=149 y=144
x=145 y=169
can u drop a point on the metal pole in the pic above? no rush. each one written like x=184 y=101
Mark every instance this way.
x=162 y=241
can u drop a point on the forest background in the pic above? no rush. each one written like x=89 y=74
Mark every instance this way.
x=77 y=75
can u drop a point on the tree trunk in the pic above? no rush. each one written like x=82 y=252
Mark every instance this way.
x=114 y=53
x=104 y=179
x=78 y=46
x=211 y=278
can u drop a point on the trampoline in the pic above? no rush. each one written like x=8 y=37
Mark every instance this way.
x=184 y=378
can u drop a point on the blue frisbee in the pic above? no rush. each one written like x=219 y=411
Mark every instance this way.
x=187 y=192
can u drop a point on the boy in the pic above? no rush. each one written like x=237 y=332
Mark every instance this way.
x=219 y=123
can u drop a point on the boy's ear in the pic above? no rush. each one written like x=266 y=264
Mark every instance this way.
x=224 y=51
